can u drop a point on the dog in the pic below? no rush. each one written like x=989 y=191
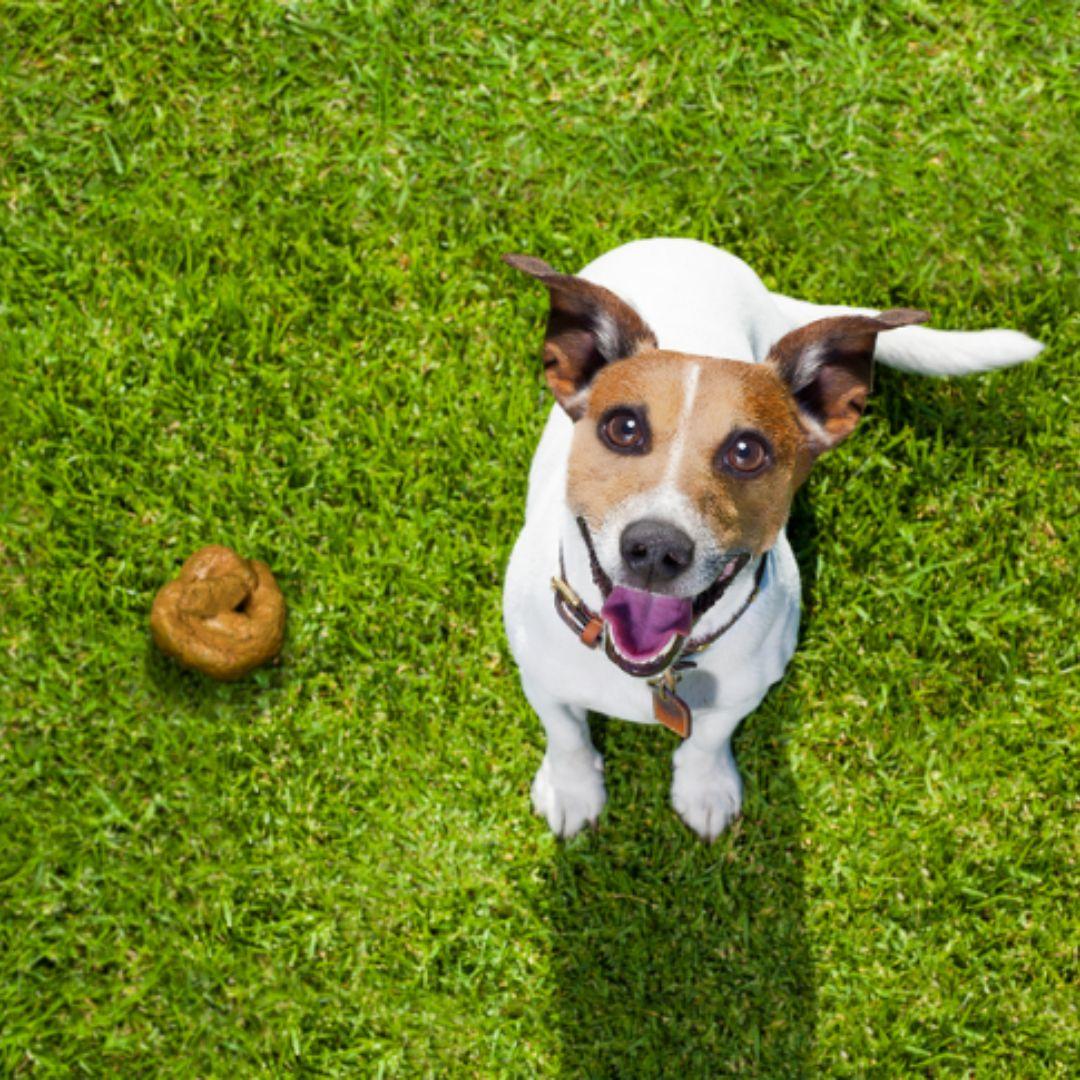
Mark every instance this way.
x=653 y=580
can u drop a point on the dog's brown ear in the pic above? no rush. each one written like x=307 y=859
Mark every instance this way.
x=828 y=367
x=588 y=327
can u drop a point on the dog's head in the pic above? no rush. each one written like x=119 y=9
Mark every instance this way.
x=683 y=467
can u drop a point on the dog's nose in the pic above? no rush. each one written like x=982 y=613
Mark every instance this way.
x=655 y=551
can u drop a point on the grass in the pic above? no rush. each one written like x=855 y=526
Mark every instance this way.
x=250 y=294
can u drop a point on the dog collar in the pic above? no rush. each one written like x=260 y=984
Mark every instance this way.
x=668 y=708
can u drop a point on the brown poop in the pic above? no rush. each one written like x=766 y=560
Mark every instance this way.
x=222 y=616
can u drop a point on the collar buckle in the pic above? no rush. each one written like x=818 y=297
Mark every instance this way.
x=573 y=611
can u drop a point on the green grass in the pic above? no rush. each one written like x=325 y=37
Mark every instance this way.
x=250 y=294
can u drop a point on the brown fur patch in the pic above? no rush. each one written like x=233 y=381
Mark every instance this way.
x=599 y=478
x=743 y=513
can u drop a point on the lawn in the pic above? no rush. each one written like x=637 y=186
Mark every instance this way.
x=250 y=294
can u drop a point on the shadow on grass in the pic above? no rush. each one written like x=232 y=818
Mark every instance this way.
x=189 y=689
x=672 y=957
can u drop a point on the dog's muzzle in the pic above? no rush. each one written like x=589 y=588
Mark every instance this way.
x=645 y=632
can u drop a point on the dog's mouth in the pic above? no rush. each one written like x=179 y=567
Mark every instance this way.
x=646 y=631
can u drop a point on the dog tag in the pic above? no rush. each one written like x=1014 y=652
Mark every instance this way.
x=670 y=710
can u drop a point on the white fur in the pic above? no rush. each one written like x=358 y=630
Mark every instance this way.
x=700 y=300
x=678 y=446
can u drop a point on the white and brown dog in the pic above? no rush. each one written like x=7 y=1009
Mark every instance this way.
x=652 y=580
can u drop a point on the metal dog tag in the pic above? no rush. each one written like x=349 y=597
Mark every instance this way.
x=668 y=708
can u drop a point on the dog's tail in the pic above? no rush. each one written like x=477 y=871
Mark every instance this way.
x=923 y=350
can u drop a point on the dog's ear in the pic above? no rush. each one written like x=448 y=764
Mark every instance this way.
x=588 y=327
x=828 y=367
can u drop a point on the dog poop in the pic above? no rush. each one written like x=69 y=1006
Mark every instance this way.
x=223 y=615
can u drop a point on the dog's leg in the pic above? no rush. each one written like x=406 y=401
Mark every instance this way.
x=706 y=790
x=568 y=789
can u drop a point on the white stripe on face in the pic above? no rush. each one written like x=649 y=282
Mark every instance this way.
x=678 y=443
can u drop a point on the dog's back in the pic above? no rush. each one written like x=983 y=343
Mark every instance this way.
x=696 y=298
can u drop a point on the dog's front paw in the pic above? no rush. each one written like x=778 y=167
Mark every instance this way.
x=706 y=791
x=569 y=791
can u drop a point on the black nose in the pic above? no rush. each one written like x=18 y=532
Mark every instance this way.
x=655 y=551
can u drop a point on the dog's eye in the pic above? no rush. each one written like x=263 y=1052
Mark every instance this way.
x=745 y=454
x=624 y=430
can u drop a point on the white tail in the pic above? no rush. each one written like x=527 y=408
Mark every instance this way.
x=923 y=350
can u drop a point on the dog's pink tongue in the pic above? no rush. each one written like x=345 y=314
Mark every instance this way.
x=643 y=622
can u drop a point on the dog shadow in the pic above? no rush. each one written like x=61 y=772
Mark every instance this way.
x=677 y=958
